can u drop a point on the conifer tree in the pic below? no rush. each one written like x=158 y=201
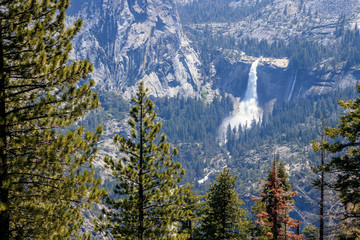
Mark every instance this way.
x=258 y=232
x=286 y=187
x=346 y=161
x=277 y=197
x=191 y=207
x=311 y=232
x=320 y=183
x=224 y=219
x=283 y=176
x=149 y=203
x=42 y=188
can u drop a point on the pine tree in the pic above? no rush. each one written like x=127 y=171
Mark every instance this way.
x=42 y=188
x=258 y=232
x=191 y=207
x=346 y=161
x=278 y=199
x=320 y=183
x=224 y=219
x=287 y=188
x=311 y=232
x=283 y=177
x=149 y=204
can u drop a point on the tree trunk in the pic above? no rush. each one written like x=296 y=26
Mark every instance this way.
x=285 y=225
x=4 y=192
x=322 y=187
x=141 y=187
x=275 y=229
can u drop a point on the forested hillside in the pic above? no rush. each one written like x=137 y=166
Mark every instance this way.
x=286 y=134
x=219 y=11
x=192 y=126
x=314 y=40
x=303 y=53
x=144 y=150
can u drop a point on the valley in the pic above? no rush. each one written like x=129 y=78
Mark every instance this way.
x=198 y=60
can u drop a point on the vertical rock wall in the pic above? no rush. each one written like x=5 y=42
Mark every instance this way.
x=133 y=40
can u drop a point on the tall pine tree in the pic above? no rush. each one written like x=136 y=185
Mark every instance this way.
x=320 y=183
x=224 y=218
x=346 y=162
x=42 y=188
x=149 y=203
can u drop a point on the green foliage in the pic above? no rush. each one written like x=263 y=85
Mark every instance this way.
x=258 y=231
x=290 y=122
x=348 y=48
x=206 y=11
x=191 y=207
x=283 y=177
x=224 y=219
x=193 y=126
x=310 y=232
x=45 y=178
x=113 y=106
x=302 y=53
x=192 y=120
x=149 y=203
x=346 y=161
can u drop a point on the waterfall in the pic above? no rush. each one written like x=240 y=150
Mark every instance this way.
x=251 y=90
x=292 y=87
x=248 y=110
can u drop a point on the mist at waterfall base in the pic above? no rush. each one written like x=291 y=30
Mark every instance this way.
x=248 y=110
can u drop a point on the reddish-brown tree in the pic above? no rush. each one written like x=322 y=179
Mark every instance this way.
x=278 y=200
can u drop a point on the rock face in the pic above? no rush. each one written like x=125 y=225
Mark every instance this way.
x=142 y=40
x=133 y=40
x=276 y=79
x=286 y=19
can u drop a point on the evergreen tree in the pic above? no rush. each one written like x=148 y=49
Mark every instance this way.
x=320 y=184
x=258 y=232
x=42 y=187
x=149 y=202
x=311 y=232
x=224 y=219
x=277 y=197
x=283 y=177
x=191 y=207
x=286 y=187
x=346 y=161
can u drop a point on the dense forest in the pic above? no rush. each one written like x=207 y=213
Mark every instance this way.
x=51 y=126
x=193 y=127
x=277 y=128
x=218 y=11
x=341 y=53
x=303 y=53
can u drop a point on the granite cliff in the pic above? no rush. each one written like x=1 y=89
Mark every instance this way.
x=143 y=40
x=133 y=40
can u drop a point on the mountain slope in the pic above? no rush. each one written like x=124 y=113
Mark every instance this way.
x=133 y=40
x=271 y=19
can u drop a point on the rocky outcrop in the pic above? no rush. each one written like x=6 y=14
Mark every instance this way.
x=277 y=79
x=136 y=40
x=286 y=19
x=142 y=40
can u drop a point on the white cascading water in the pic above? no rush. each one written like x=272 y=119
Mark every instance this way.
x=292 y=87
x=248 y=110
